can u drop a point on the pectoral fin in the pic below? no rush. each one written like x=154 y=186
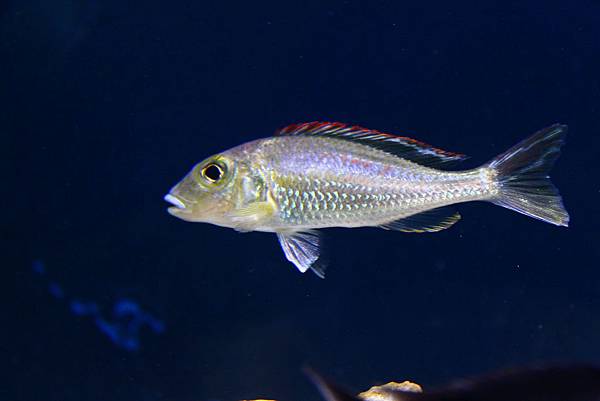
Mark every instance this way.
x=251 y=216
x=302 y=249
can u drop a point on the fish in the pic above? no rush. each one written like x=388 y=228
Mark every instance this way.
x=375 y=393
x=317 y=175
x=576 y=382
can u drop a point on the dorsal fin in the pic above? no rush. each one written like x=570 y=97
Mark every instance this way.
x=400 y=146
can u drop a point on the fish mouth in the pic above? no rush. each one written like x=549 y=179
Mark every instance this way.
x=178 y=205
x=173 y=200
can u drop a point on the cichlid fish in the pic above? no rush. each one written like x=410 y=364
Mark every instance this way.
x=385 y=392
x=322 y=174
x=542 y=383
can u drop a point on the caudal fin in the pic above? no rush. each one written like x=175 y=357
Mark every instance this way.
x=523 y=176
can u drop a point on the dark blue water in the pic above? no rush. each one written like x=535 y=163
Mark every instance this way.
x=106 y=105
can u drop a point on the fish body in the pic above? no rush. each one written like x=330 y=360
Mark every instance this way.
x=320 y=182
x=319 y=175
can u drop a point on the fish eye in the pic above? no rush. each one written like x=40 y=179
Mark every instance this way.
x=212 y=172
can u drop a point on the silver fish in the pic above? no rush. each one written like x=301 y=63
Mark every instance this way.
x=322 y=174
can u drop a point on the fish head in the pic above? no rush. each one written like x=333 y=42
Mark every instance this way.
x=205 y=192
x=214 y=189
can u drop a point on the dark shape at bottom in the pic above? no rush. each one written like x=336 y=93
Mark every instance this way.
x=543 y=383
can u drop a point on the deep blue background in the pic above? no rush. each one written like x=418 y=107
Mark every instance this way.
x=104 y=105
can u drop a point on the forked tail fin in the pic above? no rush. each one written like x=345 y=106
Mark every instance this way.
x=522 y=174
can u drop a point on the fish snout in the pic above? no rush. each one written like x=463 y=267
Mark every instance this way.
x=175 y=201
x=178 y=205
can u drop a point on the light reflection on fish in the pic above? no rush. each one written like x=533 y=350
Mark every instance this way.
x=544 y=383
x=320 y=174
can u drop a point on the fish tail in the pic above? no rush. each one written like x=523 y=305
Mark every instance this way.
x=522 y=174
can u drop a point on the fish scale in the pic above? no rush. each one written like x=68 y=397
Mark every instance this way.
x=310 y=178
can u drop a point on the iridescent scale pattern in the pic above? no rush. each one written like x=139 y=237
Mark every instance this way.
x=319 y=182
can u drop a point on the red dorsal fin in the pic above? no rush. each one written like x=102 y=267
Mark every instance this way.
x=400 y=146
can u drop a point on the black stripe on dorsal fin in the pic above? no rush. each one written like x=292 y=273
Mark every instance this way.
x=406 y=148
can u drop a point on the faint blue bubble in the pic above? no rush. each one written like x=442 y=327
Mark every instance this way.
x=56 y=290
x=109 y=329
x=156 y=325
x=82 y=308
x=130 y=344
x=122 y=328
x=38 y=267
x=125 y=306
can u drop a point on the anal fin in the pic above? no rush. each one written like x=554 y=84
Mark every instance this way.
x=425 y=222
x=302 y=249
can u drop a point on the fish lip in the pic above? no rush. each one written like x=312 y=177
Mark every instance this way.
x=175 y=201
x=177 y=212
